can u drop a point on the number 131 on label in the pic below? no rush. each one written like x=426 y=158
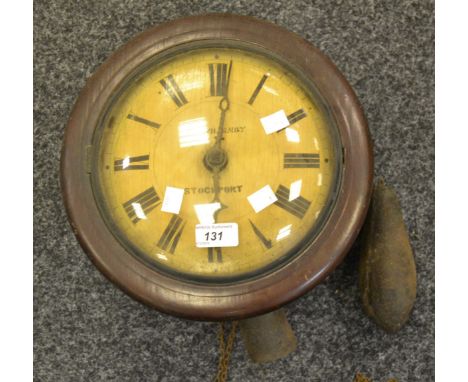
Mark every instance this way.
x=216 y=235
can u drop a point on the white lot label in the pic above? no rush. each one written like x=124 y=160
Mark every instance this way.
x=217 y=235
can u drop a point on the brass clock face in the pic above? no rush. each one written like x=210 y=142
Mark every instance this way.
x=217 y=167
x=215 y=134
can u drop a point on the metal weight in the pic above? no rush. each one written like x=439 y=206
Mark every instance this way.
x=268 y=337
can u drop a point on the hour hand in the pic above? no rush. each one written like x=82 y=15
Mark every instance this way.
x=217 y=190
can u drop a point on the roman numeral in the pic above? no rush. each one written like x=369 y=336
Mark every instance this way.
x=132 y=163
x=298 y=207
x=301 y=160
x=171 y=235
x=296 y=116
x=144 y=121
x=211 y=255
x=141 y=205
x=173 y=90
x=260 y=235
x=218 y=80
x=257 y=89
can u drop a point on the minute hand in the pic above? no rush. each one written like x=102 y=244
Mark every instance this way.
x=224 y=107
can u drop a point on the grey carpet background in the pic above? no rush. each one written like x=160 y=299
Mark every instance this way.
x=88 y=330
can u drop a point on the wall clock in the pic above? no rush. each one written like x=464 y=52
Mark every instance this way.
x=217 y=167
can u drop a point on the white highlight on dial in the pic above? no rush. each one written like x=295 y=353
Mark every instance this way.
x=262 y=198
x=139 y=211
x=283 y=232
x=319 y=179
x=205 y=212
x=295 y=189
x=275 y=122
x=292 y=135
x=172 y=200
x=269 y=89
x=125 y=162
x=190 y=85
x=160 y=256
x=316 y=144
x=193 y=132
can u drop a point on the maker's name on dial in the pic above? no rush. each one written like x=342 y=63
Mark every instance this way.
x=211 y=189
x=227 y=130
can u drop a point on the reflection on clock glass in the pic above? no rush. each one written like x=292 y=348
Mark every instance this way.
x=216 y=163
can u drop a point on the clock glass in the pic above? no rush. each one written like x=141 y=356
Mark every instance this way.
x=215 y=163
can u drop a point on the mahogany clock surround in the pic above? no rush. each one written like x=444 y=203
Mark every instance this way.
x=242 y=299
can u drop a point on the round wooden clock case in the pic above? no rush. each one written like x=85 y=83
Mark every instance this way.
x=248 y=296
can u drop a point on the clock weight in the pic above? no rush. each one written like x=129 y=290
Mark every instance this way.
x=387 y=268
x=268 y=337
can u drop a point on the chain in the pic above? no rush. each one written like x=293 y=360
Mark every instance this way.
x=225 y=350
x=362 y=378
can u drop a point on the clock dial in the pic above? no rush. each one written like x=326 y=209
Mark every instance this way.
x=216 y=135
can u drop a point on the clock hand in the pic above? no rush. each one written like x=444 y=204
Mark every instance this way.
x=216 y=198
x=224 y=107
x=216 y=159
